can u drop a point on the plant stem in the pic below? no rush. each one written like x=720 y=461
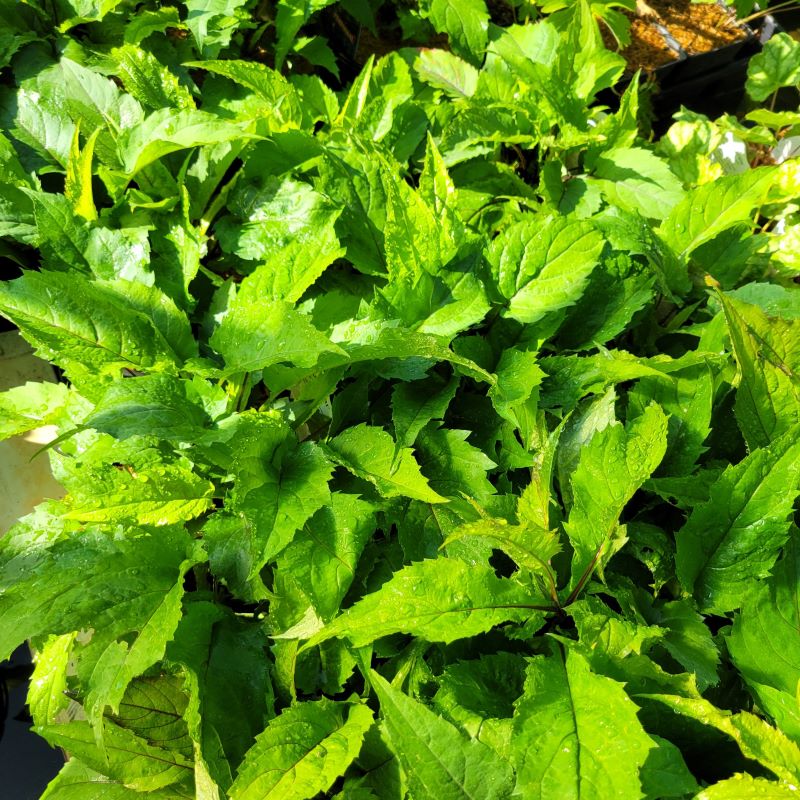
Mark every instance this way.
x=584 y=577
x=766 y=11
x=217 y=204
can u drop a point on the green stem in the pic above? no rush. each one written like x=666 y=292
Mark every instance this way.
x=766 y=11
x=238 y=390
x=587 y=573
x=217 y=204
x=244 y=392
x=415 y=651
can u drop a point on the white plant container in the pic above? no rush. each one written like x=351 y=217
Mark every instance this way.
x=24 y=480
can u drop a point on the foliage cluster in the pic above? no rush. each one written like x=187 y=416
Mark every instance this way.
x=426 y=432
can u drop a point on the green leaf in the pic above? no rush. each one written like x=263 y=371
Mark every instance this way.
x=149 y=81
x=466 y=23
x=48 y=133
x=515 y=396
x=318 y=101
x=177 y=249
x=734 y=538
x=67 y=241
x=47 y=699
x=454 y=467
x=10 y=43
x=618 y=288
x=78 y=181
x=531 y=547
x=414 y=238
x=169 y=130
x=257 y=333
x=88 y=11
x=89 y=326
x=712 y=208
x=213 y=23
x=782 y=707
x=440 y=600
x=291 y=16
x=153 y=707
x=572 y=377
x=315 y=50
x=148 y=21
x=322 y=558
x=479 y=129
x=286 y=221
x=121 y=662
x=416 y=403
x=371 y=454
x=125 y=758
x=272 y=218
x=437 y=759
x=16 y=212
x=303 y=751
x=280 y=485
x=76 y=781
x=766 y=349
x=576 y=733
x=773 y=300
x=756 y=739
x=285 y=499
x=170 y=321
x=370 y=341
x=228 y=682
x=150 y=405
x=631 y=233
x=158 y=494
x=594 y=414
x=614 y=464
x=637 y=180
x=26 y=407
x=764 y=640
x=778 y=64
x=665 y=774
x=476 y=690
x=617 y=646
x=534 y=506
x=584 y=59
x=443 y=70
x=437 y=190
x=745 y=787
x=99 y=584
x=267 y=84
x=91 y=100
x=353 y=178
x=62 y=235
x=687 y=397
x=687 y=639
x=543 y=268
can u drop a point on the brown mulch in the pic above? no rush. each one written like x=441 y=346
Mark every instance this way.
x=698 y=27
x=647 y=49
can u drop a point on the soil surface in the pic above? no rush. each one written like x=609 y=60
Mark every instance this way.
x=698 y=27
x=501 y=12
x=647 y=49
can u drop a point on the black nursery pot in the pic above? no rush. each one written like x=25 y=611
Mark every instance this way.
x=667 y=71
x=713 y=83
x=713 y=60
x=714 y=92
x=710 y=83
